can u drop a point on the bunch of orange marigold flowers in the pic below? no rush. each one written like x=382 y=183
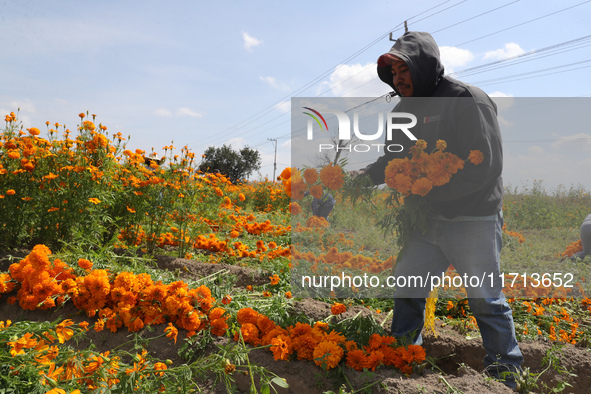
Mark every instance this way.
x=420 y=173
x=125 y=299
x=296 y=185
x=326 y=349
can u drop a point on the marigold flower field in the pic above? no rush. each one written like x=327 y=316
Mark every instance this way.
x=86 y=207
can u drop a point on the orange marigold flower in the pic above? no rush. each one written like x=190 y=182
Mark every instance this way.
x=234 y=234
x=422 y=186
x=476 y=157
x=402 y=183
x=250 y=333
x=316 y=191
x=85 y=264
x=332 y=177
x=310 y=176
x=357 y=359
x=13 y=154
x=171 y=332
x=350 y=345
x=34 y=131
x=10 y=192
x=99 y=325
x=338 y=308
x=420 y=145
x=295 y=208
x=441 y=145
x=88 y=125
x=226 y=299
x=375 y=359
x=264 y=324
x=327 y=354
x=317 y=222
x=274 y=279
x=288 y=294
x=415 y=353
x=94 y=200
x=63 y=332
x=300 y=329
x=296 y=188
x=241 y=197
x=159 y=366
x=573 y=248
x=247 y=315
x=286 y=173
x=219 y=327
x=281 y=347
x=25 y=342
x=229 y=368
x=304 y=346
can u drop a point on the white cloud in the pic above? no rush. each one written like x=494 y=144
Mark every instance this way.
x=537 y=164
x=236 y=143
x=504 y=101
x=272 y=81
x=355 y=80
x=21 y=109
x=49 y=35
x=580 y=141
x=184 y=111
x=163 y=112
x=510 y=50
x=26 y=106
x=250 y=41
x=284 y=107
x=453 y=57
x=564 y=162
x=500 y=94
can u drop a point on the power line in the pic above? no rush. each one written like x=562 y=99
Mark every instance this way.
x=528 y=74
x=577 y=43
x=270 y=108
x=474 y=17
x=472 y=71
x=523 y=23
x=537 y=54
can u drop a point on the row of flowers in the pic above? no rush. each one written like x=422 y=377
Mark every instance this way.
x=133 y=301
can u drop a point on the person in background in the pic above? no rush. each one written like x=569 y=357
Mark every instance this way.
x=585 y=239
x=323 y=206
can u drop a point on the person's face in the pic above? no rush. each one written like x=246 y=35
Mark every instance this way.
x=401 y=78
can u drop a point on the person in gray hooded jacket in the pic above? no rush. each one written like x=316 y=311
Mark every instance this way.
x=464 y=226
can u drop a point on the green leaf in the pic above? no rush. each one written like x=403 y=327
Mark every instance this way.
x=281 y=382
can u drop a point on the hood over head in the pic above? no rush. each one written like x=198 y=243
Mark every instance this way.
x=421 y=54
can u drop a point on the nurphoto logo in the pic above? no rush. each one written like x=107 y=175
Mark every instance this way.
x=344 y=129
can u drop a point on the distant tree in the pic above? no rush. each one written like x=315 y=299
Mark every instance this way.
x=235 y=165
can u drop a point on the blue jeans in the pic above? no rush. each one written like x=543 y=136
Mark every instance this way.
x=473 y=246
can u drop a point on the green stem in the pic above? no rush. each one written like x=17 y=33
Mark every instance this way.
x=387 y=317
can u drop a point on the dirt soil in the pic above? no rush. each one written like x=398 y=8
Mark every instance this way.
x=458 y=365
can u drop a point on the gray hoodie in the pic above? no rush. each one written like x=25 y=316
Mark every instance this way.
x=460 y=114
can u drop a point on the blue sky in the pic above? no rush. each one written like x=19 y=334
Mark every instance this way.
x=203 y=73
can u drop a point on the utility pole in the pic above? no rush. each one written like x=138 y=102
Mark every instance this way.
x=274 y=140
